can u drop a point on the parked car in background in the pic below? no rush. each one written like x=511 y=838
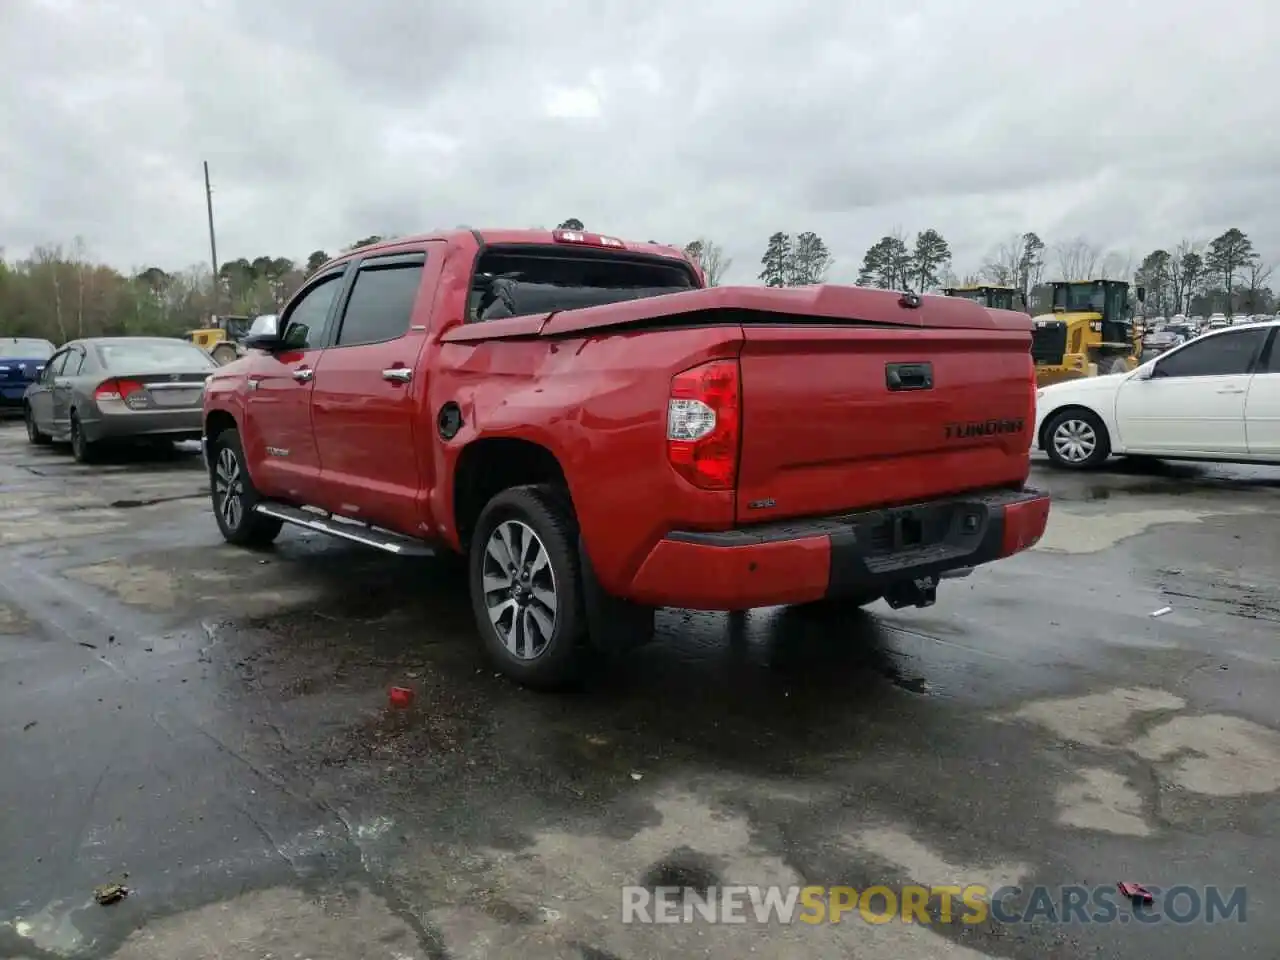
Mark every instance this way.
x=1154 y=344
x=1216 y=397
x=21 y=360
x=106 y=389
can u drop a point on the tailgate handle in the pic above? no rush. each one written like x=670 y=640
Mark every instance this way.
x=908 y=376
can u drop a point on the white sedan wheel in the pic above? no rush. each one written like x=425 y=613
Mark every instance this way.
x=1074 y=440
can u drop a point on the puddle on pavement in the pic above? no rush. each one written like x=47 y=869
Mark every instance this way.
x=1162 y=481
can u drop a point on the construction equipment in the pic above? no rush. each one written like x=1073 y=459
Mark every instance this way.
x=1090 y=331
x=221 y=339
x=998 y=298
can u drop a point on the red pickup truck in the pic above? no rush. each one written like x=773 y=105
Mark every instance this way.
x=600 y=435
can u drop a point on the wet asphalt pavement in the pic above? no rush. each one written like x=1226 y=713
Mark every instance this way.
x=209 y=727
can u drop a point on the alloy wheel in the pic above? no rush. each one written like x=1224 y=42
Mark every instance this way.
x=519 y=587
x=228 y=488
x=1075 y=441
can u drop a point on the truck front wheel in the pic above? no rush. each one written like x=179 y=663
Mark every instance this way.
x=526 y=586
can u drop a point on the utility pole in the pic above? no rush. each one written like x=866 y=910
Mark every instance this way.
x=213 y=243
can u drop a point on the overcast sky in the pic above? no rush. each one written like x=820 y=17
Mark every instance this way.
x=1133 y=123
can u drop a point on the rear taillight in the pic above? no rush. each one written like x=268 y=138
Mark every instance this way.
x=117 y=389
x=704 y=418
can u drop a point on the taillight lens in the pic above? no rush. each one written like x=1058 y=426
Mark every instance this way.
x=704 y=418
x=117 y=389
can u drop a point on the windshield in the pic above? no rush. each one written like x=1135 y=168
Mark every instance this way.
x=25 y=348
x=1079 y=297
x=144 y=356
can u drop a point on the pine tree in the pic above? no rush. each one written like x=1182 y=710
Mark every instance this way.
x=931 y=254
x=1227 y=255
x=776 y=263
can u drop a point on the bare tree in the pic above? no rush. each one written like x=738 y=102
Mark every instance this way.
x=1116 y=266
x=1257 y=274
x=1001 y=267
x=710 y=256
x=1077 y=259
x=1179 y=295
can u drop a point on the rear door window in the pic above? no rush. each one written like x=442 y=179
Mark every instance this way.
x=380 y=307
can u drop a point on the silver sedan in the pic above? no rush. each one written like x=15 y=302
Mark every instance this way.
x=103 y=389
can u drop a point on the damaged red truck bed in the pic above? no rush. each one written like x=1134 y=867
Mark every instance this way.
x=600 y=435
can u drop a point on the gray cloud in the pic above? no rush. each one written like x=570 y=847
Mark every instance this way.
x=1134 y=124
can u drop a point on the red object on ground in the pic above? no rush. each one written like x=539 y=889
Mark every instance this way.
x=1135 y=891
x=401 y=697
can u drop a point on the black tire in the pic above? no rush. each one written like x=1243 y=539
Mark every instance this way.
x=84 y=450
x=229 y=479
x=33 y=432
x=1076 y=439
x=521 y=615
x=224 y=353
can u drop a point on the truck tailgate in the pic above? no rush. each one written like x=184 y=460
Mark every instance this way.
x=841 y=417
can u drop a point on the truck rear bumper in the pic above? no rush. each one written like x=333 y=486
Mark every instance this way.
x=832 y=557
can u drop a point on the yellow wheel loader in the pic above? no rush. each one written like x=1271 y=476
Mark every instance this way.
x=222 y=340
x=1089 y=333
x=998 y=298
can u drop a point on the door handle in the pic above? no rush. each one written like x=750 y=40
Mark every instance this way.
x=1231 y=390
x=398 y=374
x=304 y=375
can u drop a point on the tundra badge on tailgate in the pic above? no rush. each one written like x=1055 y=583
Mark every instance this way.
x=983 y=428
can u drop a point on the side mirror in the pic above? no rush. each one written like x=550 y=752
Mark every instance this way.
x=268 y=342
x=1145 y=372
x=1142 y=294
x=266 y=324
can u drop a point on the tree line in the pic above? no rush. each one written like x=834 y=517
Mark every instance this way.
x=1225 y=275
x=59 y=293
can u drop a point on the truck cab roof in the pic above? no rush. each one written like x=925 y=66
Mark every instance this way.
x=509 y=237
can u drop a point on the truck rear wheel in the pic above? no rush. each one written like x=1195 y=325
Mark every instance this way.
x=526 y=587
x=234 y=496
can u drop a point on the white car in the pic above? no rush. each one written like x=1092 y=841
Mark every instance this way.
x=1216 y=397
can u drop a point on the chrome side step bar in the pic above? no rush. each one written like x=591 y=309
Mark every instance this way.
x=351 y=530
